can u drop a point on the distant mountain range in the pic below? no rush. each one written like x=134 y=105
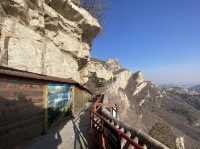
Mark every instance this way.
x=183 y=89
x=195 y=88
x=182 y=85
x=165 y=112
x=175 y=106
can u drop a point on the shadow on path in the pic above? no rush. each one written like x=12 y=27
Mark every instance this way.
x=74 y=133
x=84 y=134
x=53 y=140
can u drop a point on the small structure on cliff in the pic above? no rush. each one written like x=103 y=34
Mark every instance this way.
x=43 y=46
x=30 y=104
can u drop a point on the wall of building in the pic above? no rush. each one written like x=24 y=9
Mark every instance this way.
x=80 y=98
x=29 y=107
x=21 y=110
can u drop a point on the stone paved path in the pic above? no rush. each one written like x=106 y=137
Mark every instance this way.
x=71 y=134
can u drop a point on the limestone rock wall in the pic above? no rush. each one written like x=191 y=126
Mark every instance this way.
x=115 y=92
x=98 y=69
x=38 y=36
x=110 y=79
x=113 y=65
x=141 y=103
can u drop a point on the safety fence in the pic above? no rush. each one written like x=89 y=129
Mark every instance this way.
x=113 y=134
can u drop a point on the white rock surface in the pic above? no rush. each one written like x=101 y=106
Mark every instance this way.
x=139 y=88
x=98 y=68
x=114 y=94
x=40 y=37
x=139 y=77
x=113 y=65
x=121 y=81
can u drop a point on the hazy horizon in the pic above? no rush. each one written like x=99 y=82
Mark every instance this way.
x=174 y=74
x=160 y=38
x=166 y=75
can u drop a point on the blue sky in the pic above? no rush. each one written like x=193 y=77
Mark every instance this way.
x=159 y=37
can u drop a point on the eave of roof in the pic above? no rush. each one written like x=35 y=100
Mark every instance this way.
x=30 y=75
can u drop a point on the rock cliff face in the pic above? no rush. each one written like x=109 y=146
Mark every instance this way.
x=98 y=69
x=110 y=79
x=165 y=115
x=51 y=37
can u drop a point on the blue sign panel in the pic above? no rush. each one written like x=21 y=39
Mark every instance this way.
x=58 y=101
x=58 y=95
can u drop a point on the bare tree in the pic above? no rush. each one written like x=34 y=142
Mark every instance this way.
x=95 y=7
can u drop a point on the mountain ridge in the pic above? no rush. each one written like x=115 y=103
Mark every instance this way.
x=145 y=105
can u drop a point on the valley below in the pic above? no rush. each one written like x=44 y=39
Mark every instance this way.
x=168 y=114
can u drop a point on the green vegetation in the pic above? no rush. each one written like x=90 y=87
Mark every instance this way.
x=163 y=133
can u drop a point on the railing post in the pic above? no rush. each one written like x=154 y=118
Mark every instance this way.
x=103 y=140
x=91 y=119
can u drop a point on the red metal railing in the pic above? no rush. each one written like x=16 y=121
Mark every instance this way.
x=106 y=129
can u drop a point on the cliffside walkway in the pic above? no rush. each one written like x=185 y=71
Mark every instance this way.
x=113 y=134
x=70 y=134
x=107 y=133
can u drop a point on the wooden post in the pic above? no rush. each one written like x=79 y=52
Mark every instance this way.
x=45 y=106
x=73 y=98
